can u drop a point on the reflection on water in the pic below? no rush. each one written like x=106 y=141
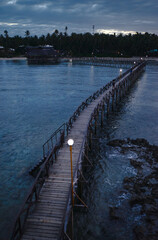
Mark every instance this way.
x=34 y=101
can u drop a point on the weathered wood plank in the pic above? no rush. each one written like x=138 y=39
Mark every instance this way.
x=44 y=220
x=28 y=237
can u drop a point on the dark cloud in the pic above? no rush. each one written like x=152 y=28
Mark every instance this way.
x=43 y=16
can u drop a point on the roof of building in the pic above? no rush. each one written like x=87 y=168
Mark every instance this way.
x=41 y=51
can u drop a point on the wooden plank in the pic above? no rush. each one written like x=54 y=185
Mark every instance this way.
x=37 y=233
x=44 y=219
x=51 y=214
x=51 y=201
x=43 y=227
x=33 y=230
x=28 y=237
x=53 y=185
x=54 y=215
x=48 y=224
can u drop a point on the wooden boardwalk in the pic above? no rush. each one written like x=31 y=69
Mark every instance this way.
x=46 y=222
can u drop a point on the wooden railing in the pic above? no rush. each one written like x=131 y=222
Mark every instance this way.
x=50 y=150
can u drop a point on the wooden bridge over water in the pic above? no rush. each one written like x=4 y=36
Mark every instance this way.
x=46 y=210
x=116 y=62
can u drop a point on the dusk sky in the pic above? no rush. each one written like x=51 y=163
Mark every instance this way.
x=108 y=16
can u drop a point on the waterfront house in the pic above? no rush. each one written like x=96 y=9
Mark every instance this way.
x=42 y=55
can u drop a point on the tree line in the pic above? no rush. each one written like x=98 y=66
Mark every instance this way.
x=84 y=44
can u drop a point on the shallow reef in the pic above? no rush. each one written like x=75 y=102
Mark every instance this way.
x=142 y=188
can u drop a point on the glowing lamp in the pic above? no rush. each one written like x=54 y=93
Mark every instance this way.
x=70 y=142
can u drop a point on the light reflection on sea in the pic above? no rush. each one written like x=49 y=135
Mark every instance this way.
x=34 y=102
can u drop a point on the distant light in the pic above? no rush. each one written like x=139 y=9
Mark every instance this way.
x=70 y=142
x=134 y=62
x=120 y=70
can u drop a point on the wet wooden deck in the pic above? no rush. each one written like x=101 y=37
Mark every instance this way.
x=46 y=221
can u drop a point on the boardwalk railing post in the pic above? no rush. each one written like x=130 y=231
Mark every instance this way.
x=113 y=93
x=95 y=125
x=108 y=107
x=102 y=116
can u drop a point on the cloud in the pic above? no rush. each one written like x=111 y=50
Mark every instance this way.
x=8 y=24
x=117 y=32
x=43 y=6
x=79 y=16
x=144 y=22
x=12 y=2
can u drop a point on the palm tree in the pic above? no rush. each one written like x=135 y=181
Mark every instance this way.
x=6 y=39
x=66 y=28
x=27 y=33
x=56 y=32
x=6 y=34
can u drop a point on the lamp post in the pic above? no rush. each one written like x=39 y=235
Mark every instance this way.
x=70 y=143
x=120 y=72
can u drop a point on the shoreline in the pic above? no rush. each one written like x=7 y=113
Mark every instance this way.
x=109 y=58
x=13 y=58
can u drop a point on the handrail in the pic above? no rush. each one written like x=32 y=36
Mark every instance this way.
x=104 y=88
x=48 y=145
x=34 y=191
x=49 y=157
x=93 y=97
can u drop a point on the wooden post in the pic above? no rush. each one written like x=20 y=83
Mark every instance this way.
x=95 y=125
x=108 y=108
x=86 y=148
x=102 y=117
x=72 y=225
x=113 y=100
x=90 y=138
x=120 y=92
x=117 y=96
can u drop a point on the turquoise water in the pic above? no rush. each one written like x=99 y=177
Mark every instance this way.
x=34 y=102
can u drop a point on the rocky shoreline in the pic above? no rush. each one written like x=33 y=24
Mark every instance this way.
x=142 y=188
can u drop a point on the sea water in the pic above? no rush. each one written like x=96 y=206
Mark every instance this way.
x=35 y=100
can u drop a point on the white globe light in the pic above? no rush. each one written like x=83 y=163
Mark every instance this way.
x=120 y=70
x=70 y=142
